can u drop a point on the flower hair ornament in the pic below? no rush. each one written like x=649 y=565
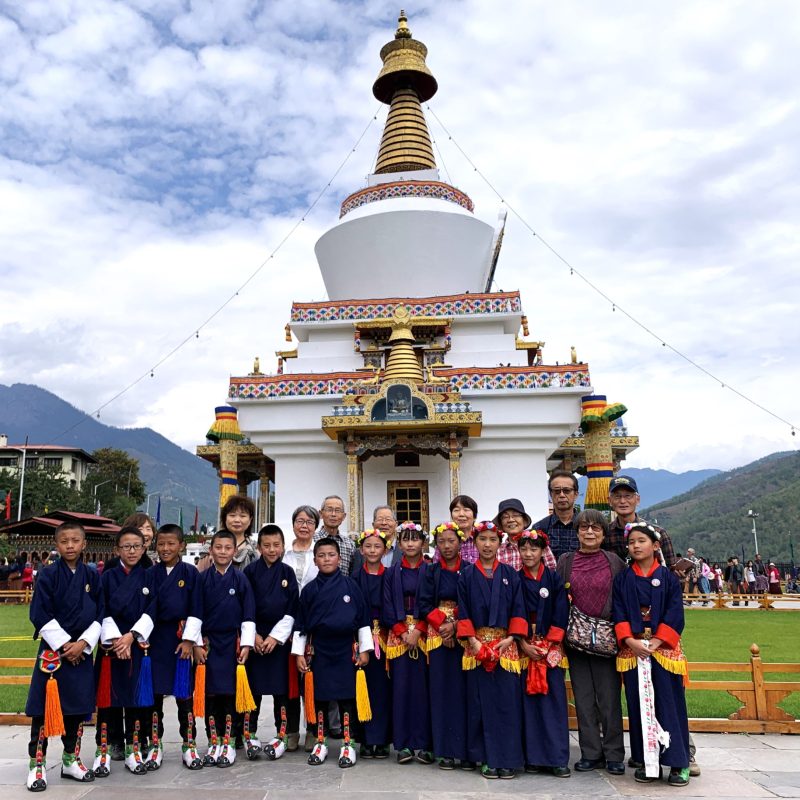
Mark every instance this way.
x=537 y=537
x=449 y=526
x=364 y=535
x=642 y=526
x=486 y=525
x=404 y=529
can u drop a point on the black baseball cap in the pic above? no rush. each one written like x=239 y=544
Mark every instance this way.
x=622 y=482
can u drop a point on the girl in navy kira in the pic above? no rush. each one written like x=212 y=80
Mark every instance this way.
x=66 y=612
x=177 y=624
x=405 y=649
x=276 y=594
x=648 y=615
x=491 y=614
x=129 y=598
x=437 y=602
x=332 y=620
x=544 y=693
x=378 y=731
x=228 y=611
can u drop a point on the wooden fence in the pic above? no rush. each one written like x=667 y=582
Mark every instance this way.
x=724 y=600
x=759 y=712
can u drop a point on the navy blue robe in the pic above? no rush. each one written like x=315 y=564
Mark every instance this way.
x=378 y=730
x=546 y=728
x=177 y=597
x=75 y=601
x=127 y=596
x=633 y=592
x=494 y=713
x=332 y=610
x=411 y=715
x=448 y=683
x=226 y=601
x=276 y=596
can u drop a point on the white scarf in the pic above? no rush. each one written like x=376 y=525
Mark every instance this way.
x=653 y=734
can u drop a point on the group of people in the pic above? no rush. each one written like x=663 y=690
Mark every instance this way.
x=457 y=658
x=753 y=577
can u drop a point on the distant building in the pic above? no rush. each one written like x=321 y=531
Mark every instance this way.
x=72 y=462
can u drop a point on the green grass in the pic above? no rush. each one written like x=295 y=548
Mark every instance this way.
x=710 y=635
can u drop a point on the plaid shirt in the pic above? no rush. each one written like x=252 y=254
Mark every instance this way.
x=507 y=554
x=615 y=541
x=563 y=538
x=347 y=549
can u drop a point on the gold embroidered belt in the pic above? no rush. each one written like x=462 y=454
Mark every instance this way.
x=434 y=640
x=396 y=647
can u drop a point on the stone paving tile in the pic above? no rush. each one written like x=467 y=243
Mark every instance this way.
x=783 y=784
x=710 y=784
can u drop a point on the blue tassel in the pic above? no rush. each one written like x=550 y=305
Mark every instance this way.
x=181 y=689
x=144 y=686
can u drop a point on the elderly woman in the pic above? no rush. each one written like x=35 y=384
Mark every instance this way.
x=300 y=556
x=589 y=575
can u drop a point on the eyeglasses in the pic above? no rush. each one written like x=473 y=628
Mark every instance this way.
x=329 y=510
x=131 y=548
x=558 y=490
x=385 y=521
x=592 y=528
x=304 y=523
x=511 y=515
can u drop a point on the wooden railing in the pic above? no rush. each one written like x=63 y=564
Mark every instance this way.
x=724 y=600
x=16 y=595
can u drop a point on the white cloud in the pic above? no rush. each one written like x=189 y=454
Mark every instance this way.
x=153 y=153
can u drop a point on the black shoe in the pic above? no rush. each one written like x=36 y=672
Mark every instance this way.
x=615 y=767
x=640 y=776
x=678 y=776
x=239 y=743
x=506 y=774
x=381 y=751
x=532 y=769
x=335 y=733
x=405 y=756
x=447 y=763
x=366 y=751
x=424 y=757
x=562 y=772
x=488 y=772
x=635 y=764
x=116 y=752
x=588 y=764
x=469 y=766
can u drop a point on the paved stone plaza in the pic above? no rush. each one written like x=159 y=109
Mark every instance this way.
x=734 y=766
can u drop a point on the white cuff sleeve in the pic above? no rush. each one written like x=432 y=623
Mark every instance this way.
x=247 y=638
x=54 y=635
x=192 y=630
x=282 y=629
x=109 y=631
x=298 y=644
x=143 y=628
x=365 y=642
x=91 y=636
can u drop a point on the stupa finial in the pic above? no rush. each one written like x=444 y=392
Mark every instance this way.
x=403 y=31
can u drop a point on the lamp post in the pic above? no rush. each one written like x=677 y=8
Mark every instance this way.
x=24 y=451
x=147 y=507
x=752 y=514
x=94 y=493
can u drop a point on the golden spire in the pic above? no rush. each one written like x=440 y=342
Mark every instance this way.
x=402 y=362
x=403 y=83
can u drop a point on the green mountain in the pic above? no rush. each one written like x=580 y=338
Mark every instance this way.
x=713 y=516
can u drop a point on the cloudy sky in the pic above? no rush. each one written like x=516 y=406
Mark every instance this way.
x=154 y=152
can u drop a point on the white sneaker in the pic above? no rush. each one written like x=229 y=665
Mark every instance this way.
x=102 y=764
x=318 y=754
x=275 y=748
x=227 y=756
x=154 y=757
x=76 y=771
x=347 y=756
x=210 y=758
x=191 y=758
x=37 y=777
x=134 y=762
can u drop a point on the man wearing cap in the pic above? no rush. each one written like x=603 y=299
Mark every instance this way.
x=512 y=519
x=623 y=497
x=560 y=525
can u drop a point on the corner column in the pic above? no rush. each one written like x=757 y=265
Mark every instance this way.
x=454 y=459
x=354 y=490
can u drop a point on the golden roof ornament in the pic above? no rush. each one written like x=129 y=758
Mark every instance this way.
x=402 y=363
x=403 y=83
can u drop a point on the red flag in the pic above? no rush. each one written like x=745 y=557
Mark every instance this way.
x=8 y=505
x=196 y=519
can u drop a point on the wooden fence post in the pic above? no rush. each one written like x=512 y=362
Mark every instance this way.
x=762 y=711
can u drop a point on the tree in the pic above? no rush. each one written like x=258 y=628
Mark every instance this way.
x=45 y=490
x=114 y=484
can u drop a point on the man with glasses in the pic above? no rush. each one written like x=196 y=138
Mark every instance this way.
x=332 y=514
x=383 y=519
x=560 y=525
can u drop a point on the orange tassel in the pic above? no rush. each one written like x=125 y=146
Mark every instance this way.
x=244 y=696
x=199 y=703
x=104 y=683
x=53 y=718
x=311 y=714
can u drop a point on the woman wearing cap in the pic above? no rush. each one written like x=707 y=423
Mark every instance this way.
x=588 y=575
x=513 y=520
x=774 y=577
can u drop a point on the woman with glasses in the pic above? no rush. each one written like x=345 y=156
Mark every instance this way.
x=588 y=575
x=300 y=557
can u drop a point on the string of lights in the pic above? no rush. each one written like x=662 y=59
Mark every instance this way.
x=573 y=270
x=195 y=332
